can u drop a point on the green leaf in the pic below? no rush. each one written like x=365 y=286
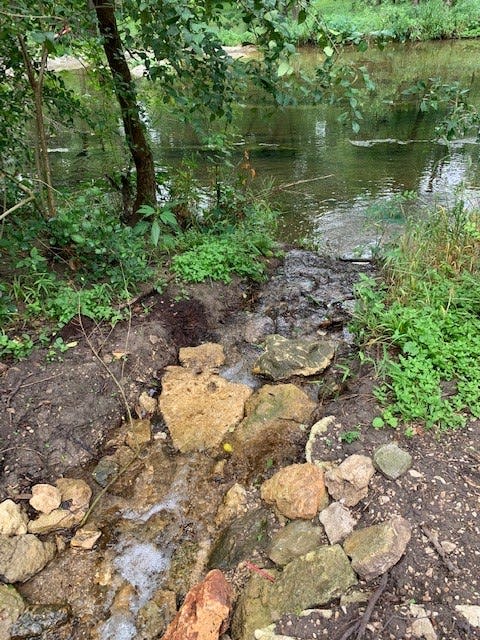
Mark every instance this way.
x=378 y=423
x=328 y=51
x=302 y=16
x=284 y=69
x=362 y=46
x=155 y=233
x=355 y=127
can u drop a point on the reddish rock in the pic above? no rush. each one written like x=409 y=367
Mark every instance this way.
x=206 y=611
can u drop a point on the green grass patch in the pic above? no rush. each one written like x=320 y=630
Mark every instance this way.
x=424 y=312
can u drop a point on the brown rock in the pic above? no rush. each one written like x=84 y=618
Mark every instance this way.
x=139 y=434
x=85 y=538
x=374 y=550
x=45 y=498
x=297 y=491
x=206 y=611
x=146 y=405
x=75 y=492
x=234 y=503
x=274 y=427
x=55 y=520
x=200 y=409
x=205 y=357
x=349 y=481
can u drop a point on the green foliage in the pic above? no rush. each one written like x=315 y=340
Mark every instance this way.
x=426 y=313
x=228 y=249
x=350 y=436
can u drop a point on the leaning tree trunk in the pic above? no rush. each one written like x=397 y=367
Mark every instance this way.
x=127 y=99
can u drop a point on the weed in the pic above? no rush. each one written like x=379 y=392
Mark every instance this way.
x=426 y=315
x=350 y=436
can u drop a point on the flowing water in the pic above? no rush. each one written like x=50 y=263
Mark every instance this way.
x=342 y=180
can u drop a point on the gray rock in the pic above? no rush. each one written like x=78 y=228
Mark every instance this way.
x=391 y=460
x=311 y=580
x=21 y=557
x=13 y=521
x=38 y=619
x=374 y=550
x=257 y=327
x=296 y=539
x=349 y=481
x=284 y=358
x=338 y=522
x=106 y=469
x=11 y=607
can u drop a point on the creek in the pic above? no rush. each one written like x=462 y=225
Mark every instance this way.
x=345 y=181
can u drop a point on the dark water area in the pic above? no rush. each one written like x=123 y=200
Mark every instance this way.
x=345 y=181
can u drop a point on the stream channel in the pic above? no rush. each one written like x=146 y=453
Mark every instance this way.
x=160 y=519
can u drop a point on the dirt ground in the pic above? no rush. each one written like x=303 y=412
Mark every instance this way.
x=57 y=415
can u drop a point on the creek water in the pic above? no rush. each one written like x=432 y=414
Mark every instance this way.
x=344 y=180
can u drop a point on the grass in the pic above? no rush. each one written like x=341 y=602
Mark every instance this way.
x=423 y=315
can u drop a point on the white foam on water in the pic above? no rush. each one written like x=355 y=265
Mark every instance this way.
x=141 y=564
x=118 y=627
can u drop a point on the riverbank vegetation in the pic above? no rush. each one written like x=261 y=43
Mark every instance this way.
x=421 y=319
x=333 y=22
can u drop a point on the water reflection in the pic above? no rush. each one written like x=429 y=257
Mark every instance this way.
x=396 y=149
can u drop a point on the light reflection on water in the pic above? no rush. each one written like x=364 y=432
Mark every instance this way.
x=396 y=150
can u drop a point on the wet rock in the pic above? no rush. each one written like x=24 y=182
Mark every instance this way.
x=297 y=491
x=106 y=470
x=273 y=427
x=76 y=496
x=155 y=616
x=13 y=521
x=284 y=358
x=11 y=607
x=374 y=550
x=294 y=540
x=146 y=405
x=76 y=493
x=85 y=538
x=338 y=522
x=422 y=626
x=199 y=409
x=471 y=612
x=40 y=619
x=139 y=434
x=234 y=503
x=391 y=460
x=239 y=541
x=205 y=612
x=318 y=429
x=205 y=357
x=311 y=580
x=21 y=557
x=349 y=481
x=257 y=327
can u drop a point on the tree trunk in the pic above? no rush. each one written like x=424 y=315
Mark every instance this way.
x=127 y=99
x=35 y=79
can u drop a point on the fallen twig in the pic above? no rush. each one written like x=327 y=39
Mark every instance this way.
x=293 y=184
x=433 y=539
x=261 y=572
x=371 y=606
